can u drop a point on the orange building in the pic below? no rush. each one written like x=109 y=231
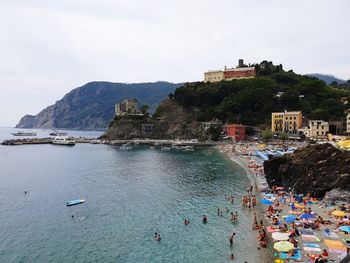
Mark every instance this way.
x=235 y=131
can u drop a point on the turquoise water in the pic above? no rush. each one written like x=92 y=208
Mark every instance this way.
x=130 y=195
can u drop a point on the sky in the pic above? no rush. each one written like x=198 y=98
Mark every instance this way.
x=47 y=48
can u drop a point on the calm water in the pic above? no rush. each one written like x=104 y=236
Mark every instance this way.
x=130 y=195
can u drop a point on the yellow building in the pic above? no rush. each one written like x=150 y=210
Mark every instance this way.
x=288 y=121
x=214 y=76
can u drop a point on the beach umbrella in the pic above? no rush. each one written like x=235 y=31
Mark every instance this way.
x=338 y=213
x=306 y=216
x=290 y=218
x=344 y=228
x=266 y=202
x=278 y=236
x=283 y=246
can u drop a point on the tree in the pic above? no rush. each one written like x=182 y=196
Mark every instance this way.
x=334 y=83
x=283 y=136
x=214 y=133
x=144 y=109
x=266 y=135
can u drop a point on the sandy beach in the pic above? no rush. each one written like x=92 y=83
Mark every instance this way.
x=310 y=240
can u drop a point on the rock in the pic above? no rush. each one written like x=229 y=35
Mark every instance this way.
x=171 y=121
x=314 y=169
x=337 y=195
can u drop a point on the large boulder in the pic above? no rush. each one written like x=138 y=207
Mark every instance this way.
x=315 y=169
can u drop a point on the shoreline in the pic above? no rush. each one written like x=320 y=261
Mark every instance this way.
x=266 y=255
x=151 y=142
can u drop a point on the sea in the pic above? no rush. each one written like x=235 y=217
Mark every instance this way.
x=130 y=195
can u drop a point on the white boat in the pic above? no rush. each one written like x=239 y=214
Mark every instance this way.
x=125 y=146
x=23 y=133
x=63 y=141
x=57 y=133
x=75 y=202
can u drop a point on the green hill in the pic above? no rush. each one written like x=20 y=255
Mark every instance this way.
x=251 y=101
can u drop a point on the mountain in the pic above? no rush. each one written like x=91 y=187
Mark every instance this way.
x=91 y=106
x=327 y=78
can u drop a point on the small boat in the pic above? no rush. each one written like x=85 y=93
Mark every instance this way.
x=125 y=147
x=75 y=202
x=57 y=133
x=63 y=141
x=23 y=133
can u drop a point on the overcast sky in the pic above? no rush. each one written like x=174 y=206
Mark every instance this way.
x=48 y=47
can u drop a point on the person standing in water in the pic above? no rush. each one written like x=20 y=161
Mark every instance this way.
x=205 y=219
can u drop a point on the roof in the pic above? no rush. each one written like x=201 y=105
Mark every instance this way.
x=213 y=71
x=240 y=69
x=287 y=112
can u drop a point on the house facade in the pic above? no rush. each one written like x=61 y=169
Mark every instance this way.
x=316 y=129
x=126 y=107
x=288 y=121
x=240 y=72
x=235 y=131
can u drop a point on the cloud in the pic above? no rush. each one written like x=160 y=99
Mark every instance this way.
x=49 y=47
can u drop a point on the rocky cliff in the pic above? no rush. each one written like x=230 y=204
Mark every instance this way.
x=171 y=121
x=314 y=169
x=92 y=105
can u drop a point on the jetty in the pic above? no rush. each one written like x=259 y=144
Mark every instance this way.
x=150 y=142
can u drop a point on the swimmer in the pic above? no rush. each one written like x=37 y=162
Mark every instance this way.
x=226 y=209
x=72 y=216
x=205 y=219
x=186 y=222
x=231 y=238
x=232 y=257
x=155 y=235
x=158 y=238
x=25 y=192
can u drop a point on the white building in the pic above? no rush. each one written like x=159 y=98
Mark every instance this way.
x=316 y=129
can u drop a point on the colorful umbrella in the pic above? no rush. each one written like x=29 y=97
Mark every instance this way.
x=283 y=246
x=278 y=236
x=266 y=202
x=335 y=244
x=344 y=228
x=338 y=213
x=306 y=216
x=290 y=218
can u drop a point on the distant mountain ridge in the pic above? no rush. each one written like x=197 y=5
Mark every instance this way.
x=327 y=78
x=91 y=106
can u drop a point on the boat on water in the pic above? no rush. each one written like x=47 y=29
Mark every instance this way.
x=75 y=202
x=23 y=133
x=57 y=133
x=63 y=141
x=125 y=146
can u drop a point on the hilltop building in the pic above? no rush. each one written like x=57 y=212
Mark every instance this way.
x=288 y=121
x=235 y=131
x=240 y=72
x=316 y=129
x=126 y=107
